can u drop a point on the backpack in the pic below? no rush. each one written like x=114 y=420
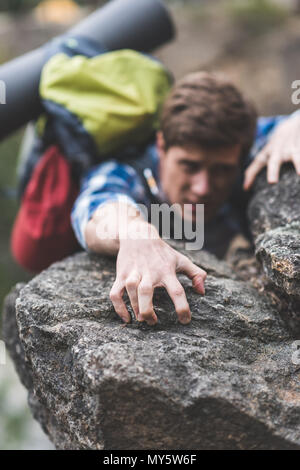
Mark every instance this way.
x=97 y=104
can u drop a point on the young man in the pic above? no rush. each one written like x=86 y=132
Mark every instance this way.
x=208 y=136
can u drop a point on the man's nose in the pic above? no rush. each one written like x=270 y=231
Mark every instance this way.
x=200 y=183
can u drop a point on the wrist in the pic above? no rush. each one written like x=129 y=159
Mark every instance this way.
x=138 y=229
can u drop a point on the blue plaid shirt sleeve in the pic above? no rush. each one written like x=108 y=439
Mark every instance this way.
x=264 y=129
x=107 y=182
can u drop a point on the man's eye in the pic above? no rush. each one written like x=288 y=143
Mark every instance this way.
x=190 y=168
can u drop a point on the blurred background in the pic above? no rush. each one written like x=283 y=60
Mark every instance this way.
x=255 y=42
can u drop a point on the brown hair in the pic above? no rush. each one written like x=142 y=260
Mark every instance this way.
x=206 y=110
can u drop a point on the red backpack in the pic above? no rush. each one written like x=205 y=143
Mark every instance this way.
x=42 y=232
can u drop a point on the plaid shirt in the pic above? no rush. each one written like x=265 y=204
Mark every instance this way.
x=114 y=180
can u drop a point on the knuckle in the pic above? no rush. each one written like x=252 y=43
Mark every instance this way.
x=182 y=261
x=275 y=158
x=131 y=283
x=114 y=295
x=182 y=257
x=262 y=157
x=145 y=289
x=200 y=274
x=261 y=161
x=178 y=291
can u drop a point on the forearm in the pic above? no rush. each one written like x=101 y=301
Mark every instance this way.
x=109 y=225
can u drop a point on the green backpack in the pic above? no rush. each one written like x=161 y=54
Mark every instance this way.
x=116 y=96
x=98 y=104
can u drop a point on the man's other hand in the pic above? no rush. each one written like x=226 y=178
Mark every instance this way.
x=144 y=263
x=283 y=146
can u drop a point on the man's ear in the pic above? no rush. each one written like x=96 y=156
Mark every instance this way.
x=160 y=144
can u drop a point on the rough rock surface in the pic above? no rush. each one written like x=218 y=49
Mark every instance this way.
x=274 y=213
x=225 y=381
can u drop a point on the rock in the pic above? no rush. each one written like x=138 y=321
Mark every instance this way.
x=225 y=381
x=279 y=252
x=275 y=205
x=275 y=222
x=12 y=339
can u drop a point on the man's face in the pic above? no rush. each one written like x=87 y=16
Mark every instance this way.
x=198 y=176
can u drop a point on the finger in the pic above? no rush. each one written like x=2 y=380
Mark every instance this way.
x=116 y=296
x=254 y=168
x=177 y=294
x=196 y=274
x=145 y=302
x=296 y=161
x=273 y=169
x=131 y=286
